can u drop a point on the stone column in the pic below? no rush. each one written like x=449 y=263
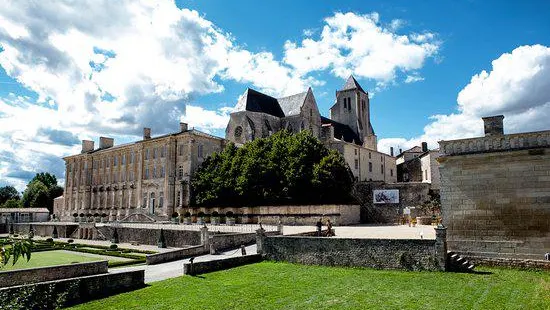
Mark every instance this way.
x=260 y=238
x=205 y=241
x=441 y=247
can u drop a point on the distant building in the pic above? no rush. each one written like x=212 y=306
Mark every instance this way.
x=419 y=164
x=147 y=177
x=23 y=215
x=348 y=129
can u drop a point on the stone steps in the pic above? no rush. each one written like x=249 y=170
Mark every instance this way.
x=457 y=263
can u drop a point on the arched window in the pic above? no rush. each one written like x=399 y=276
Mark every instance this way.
x=180 y=173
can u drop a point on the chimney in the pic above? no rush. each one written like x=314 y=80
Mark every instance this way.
x=424 y=147
x=87 y=146
x=183 y=127
x=146 y=133
x=391 y=151
x=400 y=151
x=105 y=142
x=493 y=125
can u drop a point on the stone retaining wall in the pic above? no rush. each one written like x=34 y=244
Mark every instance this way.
x=42 y=274
x=46 y=229
x=174 y=238
x=525 y=264
x=158 y=258
x=412 y=254
x=78 y=290
x=221 y=264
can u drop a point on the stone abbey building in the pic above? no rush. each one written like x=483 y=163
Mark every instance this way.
x=145 y=178
x=348 y=130
x=149 y=179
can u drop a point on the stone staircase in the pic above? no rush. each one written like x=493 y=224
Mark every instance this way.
x=457 y=263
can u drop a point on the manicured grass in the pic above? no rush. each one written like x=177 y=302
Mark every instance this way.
x=48 y=258
x=269 y=285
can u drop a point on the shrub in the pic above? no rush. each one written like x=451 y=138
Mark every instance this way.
x=70 y=241
x=175 y=214
x=49 y=240
x=113 y=246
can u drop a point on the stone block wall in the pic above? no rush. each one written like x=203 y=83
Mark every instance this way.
x=410 y=195
x=46 y=229
x=34 y=275
x=220 y=264
x=174 y=238
x=374 y=253
x=495 y=195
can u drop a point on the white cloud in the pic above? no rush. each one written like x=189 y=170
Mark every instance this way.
x=359 y=44
x=517 y=87
x=206 y=120
x=413 y=78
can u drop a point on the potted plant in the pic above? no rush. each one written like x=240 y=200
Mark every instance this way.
x=75 y=216
x=103 y=217
x=175 y=217
x=82 y=217
x=54 y=233
x=215 y=218
x=187 y=218
x=90 y=217
x=114 y=238
x=229 y=219
x=200 y=219
x=97 y=217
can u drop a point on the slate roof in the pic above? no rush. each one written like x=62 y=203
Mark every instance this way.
x=292 y=105
x=352 y=83
x=342 y=132
x=254 y=101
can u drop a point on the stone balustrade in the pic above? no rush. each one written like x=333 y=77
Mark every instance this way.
x=495 y=143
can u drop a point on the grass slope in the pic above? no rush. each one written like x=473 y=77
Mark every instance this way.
x=269 y=285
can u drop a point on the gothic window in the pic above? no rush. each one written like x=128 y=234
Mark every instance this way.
x=144 y=201
x=180 y=173
x=146 y=173
x=154 y=153
x=154 y=171
x=124 y=159
x=370 y=166
x=356 y=164
x=238 y=132
x=161 y=199
x=382 y=169
x=162 y=172
x=369 y=155
x=181 y=150
x=268 y=127
x=391 y=172
x=163 y=151
x=252 y=129
x=199 y=151
x=132 y=157
x=146 y=153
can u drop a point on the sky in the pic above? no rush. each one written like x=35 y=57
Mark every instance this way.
x=74 y=70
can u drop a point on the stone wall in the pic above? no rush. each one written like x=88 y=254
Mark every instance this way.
x=164 y=257
x=174 y=238
x=231 y=241
x=220 y=264
x=291 y=215
x=79 y=290
x=410 y=195
x=405 y=254
x=46 y=229
x=495 y=195
x=42 y=274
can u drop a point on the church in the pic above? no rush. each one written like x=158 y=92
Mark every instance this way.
x=347 y=130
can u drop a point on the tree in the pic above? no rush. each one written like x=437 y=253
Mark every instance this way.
x=7 y=193
x=283 y=168
x=12 y=203
x=41 y=191
x=14 y=249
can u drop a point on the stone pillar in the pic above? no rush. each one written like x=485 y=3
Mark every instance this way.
x=205 y=241
x=441 y=247
x=260 y=238
x=280 y=227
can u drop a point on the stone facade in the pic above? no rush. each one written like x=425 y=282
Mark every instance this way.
x=348 y=130
x=495 y=193
x=148 y=177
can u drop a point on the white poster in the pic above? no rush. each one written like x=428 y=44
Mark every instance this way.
x=386 y=196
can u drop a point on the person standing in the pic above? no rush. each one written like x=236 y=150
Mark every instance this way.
x=319 y=227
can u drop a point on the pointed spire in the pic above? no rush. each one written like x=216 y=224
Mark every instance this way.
x=352 y=83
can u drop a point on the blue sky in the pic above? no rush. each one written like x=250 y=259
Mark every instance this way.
x=80 y=70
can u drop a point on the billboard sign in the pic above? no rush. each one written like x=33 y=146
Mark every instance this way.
x=386 y=196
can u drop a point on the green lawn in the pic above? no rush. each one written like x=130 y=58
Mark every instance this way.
x=52 y=258
x=269 y=285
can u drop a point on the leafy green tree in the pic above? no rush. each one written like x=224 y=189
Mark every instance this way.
x=12 y=248
x=7 y=193
x=12 y=203
x=283 y=168
x=41 y=191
